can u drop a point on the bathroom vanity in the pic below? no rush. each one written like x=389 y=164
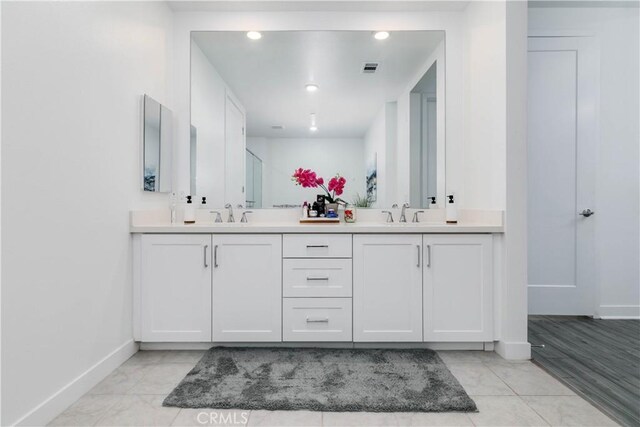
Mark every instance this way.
x=290 y=283
x=274 y=281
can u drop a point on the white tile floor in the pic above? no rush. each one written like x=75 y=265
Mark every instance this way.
x=506 y=393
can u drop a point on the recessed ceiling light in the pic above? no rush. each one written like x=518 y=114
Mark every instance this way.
x=313 y=128
x=254 y=35
x=381 y=35
x=311 y=87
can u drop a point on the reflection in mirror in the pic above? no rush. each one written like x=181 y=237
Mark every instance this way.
x=425 y=158
x=334 y=102
x=157 y=147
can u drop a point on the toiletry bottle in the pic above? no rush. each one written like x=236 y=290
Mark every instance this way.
x=305 y=210
x=432 y=203
x=189 y=212
x=203 y=204
x=452 y=211
x=173 y=206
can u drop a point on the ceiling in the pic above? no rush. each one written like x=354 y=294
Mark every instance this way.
x=269 y=75
x=318 y=5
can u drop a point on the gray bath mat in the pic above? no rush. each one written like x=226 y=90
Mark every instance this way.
x=321 y=380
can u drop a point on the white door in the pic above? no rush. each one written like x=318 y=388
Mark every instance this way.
x=387 y=287
x=234 y=149
x=562 y=133
x=175 y=287
x=247 y=287
x=458 y=287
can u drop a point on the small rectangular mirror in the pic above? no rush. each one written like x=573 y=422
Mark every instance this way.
x=157 y=147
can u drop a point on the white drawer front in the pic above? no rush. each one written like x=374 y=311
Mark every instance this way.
x=316 y=278
x=316 y=319
x=316 y=246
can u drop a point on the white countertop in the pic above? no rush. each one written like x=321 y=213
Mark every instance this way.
x=288 y=227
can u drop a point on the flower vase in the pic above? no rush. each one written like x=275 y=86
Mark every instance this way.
x=350 y=213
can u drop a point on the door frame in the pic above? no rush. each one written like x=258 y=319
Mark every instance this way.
x=587 y=136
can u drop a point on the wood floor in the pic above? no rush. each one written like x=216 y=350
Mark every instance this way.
x=598 y=359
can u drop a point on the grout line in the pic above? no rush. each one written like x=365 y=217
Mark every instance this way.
x=500 y=378
x=539 y=414
x=176 y=417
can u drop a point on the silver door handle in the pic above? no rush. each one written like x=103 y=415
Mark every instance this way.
x=429 y=256
x=205 y=256
x=317 y=246
x=325 y=320
x=215 y=256
x=317 y=278
x=418 y=248
x=586 y=213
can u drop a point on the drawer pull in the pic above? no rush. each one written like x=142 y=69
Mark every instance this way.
x=323 y=320
x=317 y=246
x=317 y=278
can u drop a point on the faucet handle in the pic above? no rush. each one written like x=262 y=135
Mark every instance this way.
x=244 y=216
x=415 y=216
x=218 y=216
x=389 y=216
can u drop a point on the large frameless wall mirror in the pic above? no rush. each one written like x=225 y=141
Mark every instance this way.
x=353 y=103
x=157 y=147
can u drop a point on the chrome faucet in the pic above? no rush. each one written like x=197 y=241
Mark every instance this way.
x=389 y=216
x=231 y=218
x=403 y=217
x=415 y=216
x=218 y=216
x=244 y=216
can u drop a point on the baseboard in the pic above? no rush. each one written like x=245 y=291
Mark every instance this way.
x=618 y=312
x=513 y=350
x=63 y=398
x=205 y=345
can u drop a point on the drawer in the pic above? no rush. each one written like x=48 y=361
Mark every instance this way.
x=316 y=278
x=316 y=245
x=316 y=319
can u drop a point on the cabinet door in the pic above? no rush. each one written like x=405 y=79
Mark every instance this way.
x=175 y=287
x=458 y=287
x=387 y=288
x=247 y=288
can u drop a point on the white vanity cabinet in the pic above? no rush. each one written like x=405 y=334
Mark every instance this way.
x=458 y=287
x=247 y=287
x=314 y=287
x=173 y=286
x=387 y=288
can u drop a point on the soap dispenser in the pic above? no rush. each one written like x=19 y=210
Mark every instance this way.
x=204 y=205
x=189 y=212
x=432 y=203
x=451 y=211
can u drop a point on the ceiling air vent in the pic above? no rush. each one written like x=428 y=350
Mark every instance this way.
x=370 y=67
x=277 y=127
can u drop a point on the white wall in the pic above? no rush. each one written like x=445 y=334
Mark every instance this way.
x=73 y=77
x=617 y=222
x=484 y=149
x=208 y=92
x=326 y=157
